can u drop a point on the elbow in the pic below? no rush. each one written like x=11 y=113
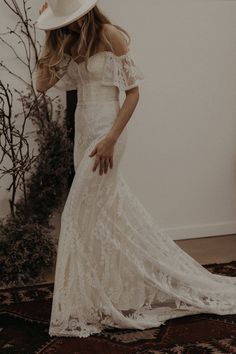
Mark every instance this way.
x=41 y=85
x=41 y=88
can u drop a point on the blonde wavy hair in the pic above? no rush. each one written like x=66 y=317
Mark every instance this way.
x=59 y=41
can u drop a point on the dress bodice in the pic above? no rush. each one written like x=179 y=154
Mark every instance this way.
x=105 y=70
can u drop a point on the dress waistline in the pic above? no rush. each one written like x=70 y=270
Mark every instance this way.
x=97 y=94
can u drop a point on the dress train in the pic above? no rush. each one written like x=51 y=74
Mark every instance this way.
x=115 y=267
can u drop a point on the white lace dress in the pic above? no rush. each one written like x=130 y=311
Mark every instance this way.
x=114 y=266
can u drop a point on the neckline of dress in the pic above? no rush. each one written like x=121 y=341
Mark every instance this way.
x=103 y=52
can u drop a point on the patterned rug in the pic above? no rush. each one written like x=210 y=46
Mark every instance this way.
x=25 y=314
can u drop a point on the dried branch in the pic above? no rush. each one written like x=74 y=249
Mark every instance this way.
x=14 y=145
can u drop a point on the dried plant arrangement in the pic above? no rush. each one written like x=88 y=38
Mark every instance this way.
x=37 y=180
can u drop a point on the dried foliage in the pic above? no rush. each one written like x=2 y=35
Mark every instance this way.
x=37 y=181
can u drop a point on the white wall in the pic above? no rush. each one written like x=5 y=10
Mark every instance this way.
x=181 y=154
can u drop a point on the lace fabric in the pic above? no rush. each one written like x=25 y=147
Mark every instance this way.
x=115 y=267
x=67 y=75
x=120 y=71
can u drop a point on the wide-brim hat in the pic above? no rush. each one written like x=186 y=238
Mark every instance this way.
x=60 y=13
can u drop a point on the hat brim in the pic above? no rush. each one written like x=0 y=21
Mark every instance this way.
x=48 y=21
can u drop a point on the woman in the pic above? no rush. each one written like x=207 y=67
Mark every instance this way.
x=114 y=266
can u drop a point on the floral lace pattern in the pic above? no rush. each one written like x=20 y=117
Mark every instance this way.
x=120 y=71
x=67 y=75
x=115 y=267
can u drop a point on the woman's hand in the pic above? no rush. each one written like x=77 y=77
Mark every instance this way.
x=45 y=5
x=104 y=154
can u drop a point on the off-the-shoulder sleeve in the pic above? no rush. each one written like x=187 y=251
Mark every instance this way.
x=122 y=71
x=68 y=75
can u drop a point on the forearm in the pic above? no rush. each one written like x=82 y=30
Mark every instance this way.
x=44 y=80
x=124 y=114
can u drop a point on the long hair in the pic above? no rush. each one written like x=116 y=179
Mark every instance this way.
x=59 y=41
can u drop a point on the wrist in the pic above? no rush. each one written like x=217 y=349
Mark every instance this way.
x=112 y=137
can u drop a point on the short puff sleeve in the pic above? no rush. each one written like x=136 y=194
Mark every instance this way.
x=67 y=73
x=122 y=71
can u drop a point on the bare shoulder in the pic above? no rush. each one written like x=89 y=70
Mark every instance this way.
x=117 y=39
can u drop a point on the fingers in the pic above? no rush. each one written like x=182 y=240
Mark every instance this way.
x=45 y=5
x=93 y=152
x=101 y=161
x=96 y=163
x=103 y=164
x=111 y=161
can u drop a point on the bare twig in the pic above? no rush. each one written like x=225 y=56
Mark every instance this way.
x=36 y=107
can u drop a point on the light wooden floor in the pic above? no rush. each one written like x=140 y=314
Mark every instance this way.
x=214 y=249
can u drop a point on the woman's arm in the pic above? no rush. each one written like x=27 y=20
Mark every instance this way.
x=105 y=148
x=125 y=113
x=132 y=95
x=42 y=73
x=42 y=79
